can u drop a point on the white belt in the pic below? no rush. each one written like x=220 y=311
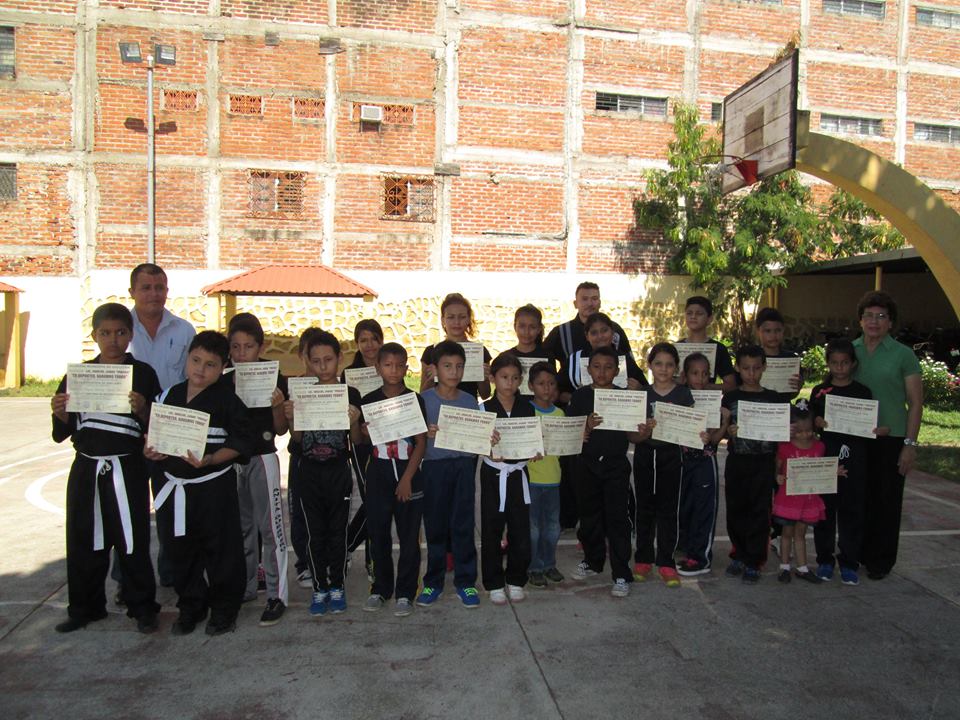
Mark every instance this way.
x=505 y=470
x=112 y=462
x=180 y=496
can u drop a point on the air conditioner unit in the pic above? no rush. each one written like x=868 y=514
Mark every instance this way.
x=371 y=113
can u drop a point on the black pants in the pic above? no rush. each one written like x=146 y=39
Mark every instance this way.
x=515 y=517
x=699 y=500
x=603 y=487
x=382 y=507
x=208 y=564
x=884 y=505
x=298 y=525
x=87 y=568
x=844 y=510
x=657 y=474
x=325 y=499
x=357 y=532
x=747 y=481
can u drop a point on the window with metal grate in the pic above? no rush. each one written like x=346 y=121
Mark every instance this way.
x=407 y=197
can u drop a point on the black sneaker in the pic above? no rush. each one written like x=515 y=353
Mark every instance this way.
x=73 y=624
x=536 y=579
x=147 y=623
x=272 y=612
x=553 y=575
x=810 y=577
x=876 y=574
x=220 y=626
x=783 y=576
x=751 y=575
x=183 y=626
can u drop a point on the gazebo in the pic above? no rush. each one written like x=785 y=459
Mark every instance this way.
x=11 y=344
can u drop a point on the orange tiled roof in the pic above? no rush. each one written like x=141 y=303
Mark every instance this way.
x=315 y=280
x=8 y=288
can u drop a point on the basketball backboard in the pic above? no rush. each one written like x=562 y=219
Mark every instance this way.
x=760 y=126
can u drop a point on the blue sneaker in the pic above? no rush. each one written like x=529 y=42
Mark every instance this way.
x=751 y=575
x=338 y=600
x=428 y=597
x=734 y=569
x=319 y=604
x=825 y=572
x=849 y=576
x=469 y=597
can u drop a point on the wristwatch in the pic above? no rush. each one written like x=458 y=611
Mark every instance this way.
x=910 y=442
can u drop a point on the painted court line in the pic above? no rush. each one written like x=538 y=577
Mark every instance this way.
x=34 y=493
x=932 y=498
x=37 y=459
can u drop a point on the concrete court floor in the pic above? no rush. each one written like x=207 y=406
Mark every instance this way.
x=710 y=649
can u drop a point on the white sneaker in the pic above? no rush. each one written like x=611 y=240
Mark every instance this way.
x=620 y=589
x=498 y=597
x=305 y=579
x=583 y=571
x=516 y=593
x=404 y=607
x=374 y=603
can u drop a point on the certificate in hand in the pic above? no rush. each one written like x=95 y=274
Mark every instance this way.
x=679 y=425
x=709 y=400
x=526 y=363
x=520 y=438
x=394 y=418
x=473 y=366
x=763 y=421
x=850 y=416
x=99 y=387
x=465 y=430
x=620 y=409
x=562 y=435
x=318 y=407
x=620 y=380
x=255 y=382
x=689 y=348
x=175 y=430
x=777 y=374
x=365 y=380
x=812 y=475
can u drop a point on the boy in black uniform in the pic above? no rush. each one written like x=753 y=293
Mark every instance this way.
x=196 y=498
x=698 y=314
x=108 y=502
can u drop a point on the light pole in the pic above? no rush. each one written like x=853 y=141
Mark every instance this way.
x=162 y=55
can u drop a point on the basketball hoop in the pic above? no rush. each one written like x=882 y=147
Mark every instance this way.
x=734 y=165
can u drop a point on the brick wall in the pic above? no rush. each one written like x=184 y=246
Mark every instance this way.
x=39 y=219
x=758 y=21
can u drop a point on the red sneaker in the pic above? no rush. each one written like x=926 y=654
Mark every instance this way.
x=670 y=577
x=641 y=570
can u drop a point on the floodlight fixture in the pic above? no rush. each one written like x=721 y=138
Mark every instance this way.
x=165 y=54
x=130 y=52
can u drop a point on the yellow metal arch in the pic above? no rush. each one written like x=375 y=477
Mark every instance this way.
x=925 y=220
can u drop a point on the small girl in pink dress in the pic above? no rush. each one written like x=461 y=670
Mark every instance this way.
x=796 y=512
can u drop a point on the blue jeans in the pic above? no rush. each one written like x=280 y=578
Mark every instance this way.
x=449 y=489
x=544 y=526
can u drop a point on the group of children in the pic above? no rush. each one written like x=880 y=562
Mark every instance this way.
x=222 y=515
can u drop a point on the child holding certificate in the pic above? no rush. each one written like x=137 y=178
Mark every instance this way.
x=324 y=479
x=528 y=326
x=795 y=512
x=603 y=480
x=258 y=482
x=698 y=314
x=600 y=333
x=196 y=497
x=505 y=494
x=108 y=502
x=656 y=475
x=394 y=492
x=545 y=475
x=459 y=325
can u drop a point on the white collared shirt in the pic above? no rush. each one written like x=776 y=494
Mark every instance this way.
x=166 y=353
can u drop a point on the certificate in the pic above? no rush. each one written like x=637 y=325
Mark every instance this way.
x=175 y=430
x=709 y=400
x=777 y=374
x=679 y=425
x=255 y=382
x=520 y=438
x=465 y=430
x=620 y=409
x=850 y=416
x=365 y=380
x=525 y=364
x=763 y=421
x=394 y=418
x=812 y=476
x=318 y=407
x=620 y=380
x=689 y=348
x=99 y=387
x=562 y=435
x=473 y=366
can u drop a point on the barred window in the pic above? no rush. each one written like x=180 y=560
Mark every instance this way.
x=937 y=133
x=276 y=194
x=866 y=8
x=408 y=198
x=716 y=112
x=938 y=18
x=8 y=54
x=179 y=100
x=8 y=181
x=851 y=125
x=307 y=108
x=632 y=103
x=246 y=105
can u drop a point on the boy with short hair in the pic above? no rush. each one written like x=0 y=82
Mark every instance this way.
x=325 y=480
x=394 y=490
x=108 y=503
x=698 y=314
x=449 y=488
x=196 y=498
x=749 y=474
x=769 y=329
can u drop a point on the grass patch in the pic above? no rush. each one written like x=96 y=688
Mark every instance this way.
x=33 y=387
x=939 y=453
